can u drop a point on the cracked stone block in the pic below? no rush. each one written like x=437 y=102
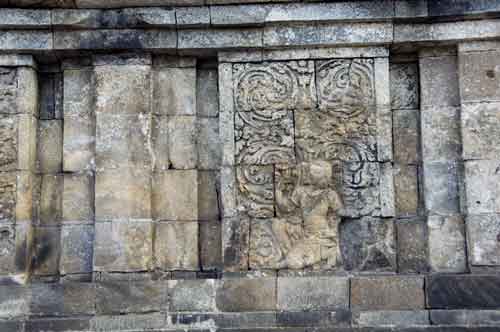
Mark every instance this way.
x=77 y=245
x=78 y=198
x=125 y=246
x=175 y=91
x=406 y=136
x=207 y=94
x=406 y=190
x=368 y=244
x=480 y=76
x=123 y=141
x=123 y=194
x=412 y=246
x=480 y=130
x=51 y=199
x=483 y=238
x=50 y=143
x=404 y=85
x=447 y=244
x=209 y=144
x=176 y=246
x=482 y=189
x=123 y=90
x=439 y=81
x=175 y=195
x=182 y=137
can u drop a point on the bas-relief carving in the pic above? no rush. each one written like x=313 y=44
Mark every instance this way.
x=306 y=157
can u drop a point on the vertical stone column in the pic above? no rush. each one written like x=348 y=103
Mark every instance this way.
x=123 y=161
x=18 y=123
x=479 y=73
x=441 y=156
x=77 y=216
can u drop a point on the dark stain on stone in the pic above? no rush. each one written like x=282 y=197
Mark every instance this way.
x=490 y=73
x=21 y=256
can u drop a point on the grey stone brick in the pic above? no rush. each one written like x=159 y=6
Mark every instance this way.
x=483 y=239
x=176 y=246
x=447 y=244
x=192 y=295
x=479 y=78
x=412 y=246
x=76 y=249
x=406 y=136
x=480 y=130
x=63 y=299
x=234 y=295
x=391 y=318
x=439 y=81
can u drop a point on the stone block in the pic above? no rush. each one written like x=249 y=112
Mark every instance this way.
x=18 y=148
x=123 y=141
x=176 y=246
x=159 y=142
x=406 y=190
x=8 y=197
x=387 y=293
x=9 y=147
x=481 y=186
x=63 y=299
x=463 y=292
x=218 y=38
x=192 y=16
x=313 y=293
x=483 y=239
x=255 y=195
x=439 y=81
x=441 y=128
x=131 y=322
x=208 y=144
x=236 y=295
x=79 y=143
x=115 y=297
x=392 y=318
x=122 y=90
x=28 y=18
x=228 y=206
x=412 y=246
x=30 y=40
x=387 y=192
x=208 y=195
x=441 y=187
x=125 y=246
x=465 y=317
x=192 y=295
x=210 y=245
x=175 y=91
x=50 y=95
x=11 y=326
x=7 y=249
x=479 y=76
x=207 y=95
x=14 y=301
x=50 y=143
x=406 y=136
x=404 y=86
x=175 y=195
x=58 y=324
x=50 y=209
x=182 y=149
x=226 y=113
x=446 y=244
x=368 y=244
x=79 y=91
x=235 y=244
x=480 y=130
x=47 y=246
x=384 y=133
x=76 y=249
x=315 y=319
x=78 y=198
x=25 y=192
x=123 y=194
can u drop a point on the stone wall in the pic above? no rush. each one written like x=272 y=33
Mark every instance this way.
x=217 y=165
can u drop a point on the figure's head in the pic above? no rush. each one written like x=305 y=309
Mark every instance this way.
x=320 y=173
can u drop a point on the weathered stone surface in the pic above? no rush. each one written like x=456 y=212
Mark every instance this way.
x=391 y=318
x=130 y=297
x=78 y=198
x=368 y=244
x=218 y=38
x=159 y=143
x=480 y=130
x=387 y=293
x=123 y=194
x=441 y=129
x=14 y=301
x=314 y=293
x=236 y=295
x=210 y=245
x=207 y=94
x=76 y=249
x=9 y=143
x=255 y=194
x=175 y=195
x=192 y=295
x=439 y=81
x=462 y=292
x=235 y=243
x=406 y=190
x=479 y=76
x=123 y=246
x=51 y=199
x=25 y=192
x=150 y=321
x=58 y=324
x=404 y=85
x=63 y=299
x=208 y=144
x=192 y=16
x=483 y=235
x=441 y=187
x=25 y=18
x=17 y=142
x=228 y=192
x=412 y=246
x=406 y=136
x=446 y=244
x=465 y=317
x=175 y=91
x=208 y=195
x=19 y=40
x=176 y=246
x=7 y=249
x=47 y=246
x=50 y=95
x=8 y=196
x=50 y=138
x=481 y=186
x=294 y=319
x=182 y=149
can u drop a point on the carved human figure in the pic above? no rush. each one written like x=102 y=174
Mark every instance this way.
x=320 y=207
